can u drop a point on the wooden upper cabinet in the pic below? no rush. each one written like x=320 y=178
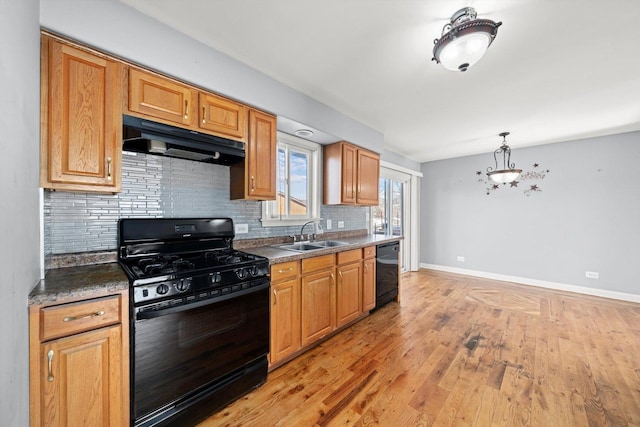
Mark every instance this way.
x=368 y=178
x=351 y=175
x=255 y=178
x=161 y=98
x=81 y=119
x=223 y=116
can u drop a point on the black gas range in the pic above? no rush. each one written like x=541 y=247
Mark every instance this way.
x=199 y=317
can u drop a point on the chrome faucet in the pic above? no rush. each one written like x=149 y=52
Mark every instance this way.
x=317 y=229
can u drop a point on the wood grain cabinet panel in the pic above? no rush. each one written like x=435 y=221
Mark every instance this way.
x=351 y=175
x=81 y=379
x=348 y=293
x=223 y=116
x=81 y=119
x=368 y=284
x=255 y=178
x=368 y=178
x=160 y=98
x=285 y=319
x=318 y=298
x=79 y=363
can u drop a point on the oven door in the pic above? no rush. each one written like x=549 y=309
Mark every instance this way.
x=181 y=350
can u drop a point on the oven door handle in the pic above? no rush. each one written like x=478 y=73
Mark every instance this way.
x=151 y=314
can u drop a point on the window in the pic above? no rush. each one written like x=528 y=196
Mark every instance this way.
x=297 y=183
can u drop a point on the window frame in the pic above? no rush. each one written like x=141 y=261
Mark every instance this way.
x=269 y=217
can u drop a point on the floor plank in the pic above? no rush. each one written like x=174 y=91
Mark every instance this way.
x=462 y=351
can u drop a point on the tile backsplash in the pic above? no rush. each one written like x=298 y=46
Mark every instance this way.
x=156 y=186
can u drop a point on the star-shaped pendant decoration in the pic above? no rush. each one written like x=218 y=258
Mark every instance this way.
x=535 y=165
x=534 y=188
x=478 y=173
x=514 y=183
x=495 y=186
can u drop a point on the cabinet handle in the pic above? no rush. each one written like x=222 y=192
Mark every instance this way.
x=340 y=274
x=366 y=267
x=203 y=115
x=109 y=168
x=333 y=279
x=86 y=316
x=253 y=183
x=186 y=109
x=49 y=360
x=284 y=271
x=275 y=297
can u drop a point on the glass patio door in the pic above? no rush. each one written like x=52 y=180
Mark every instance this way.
x=390 y=217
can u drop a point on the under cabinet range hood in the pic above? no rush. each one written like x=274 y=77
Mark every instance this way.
x=144 y=136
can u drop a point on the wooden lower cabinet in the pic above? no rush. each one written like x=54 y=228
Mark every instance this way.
x=82 y=380
x=318 y=307
x=369 y=279
x=348 y=293
x=79 y=357
x=285 y=319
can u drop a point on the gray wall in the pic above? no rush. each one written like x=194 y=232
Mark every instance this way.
x=19 y=212
x=112 y=26
x=586 y=218
x=156 y=186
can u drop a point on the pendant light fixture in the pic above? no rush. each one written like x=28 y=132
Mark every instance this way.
x=464 y=40
x=508 y=173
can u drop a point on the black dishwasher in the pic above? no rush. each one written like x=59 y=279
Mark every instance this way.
x=387 y=261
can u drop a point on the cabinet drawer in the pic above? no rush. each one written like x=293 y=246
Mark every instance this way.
x=369 y=252
x=68 y=319
x=349 y=256
x=318 y=263
x=284 y=271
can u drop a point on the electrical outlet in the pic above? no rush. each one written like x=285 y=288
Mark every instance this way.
x=242 y=228
x=328 y=224
x=592 y=275
x=340 y=224
x=460 y=259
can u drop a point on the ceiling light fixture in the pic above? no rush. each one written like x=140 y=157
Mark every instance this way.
x=508 y=173
x=304 y=133
x=464 y=40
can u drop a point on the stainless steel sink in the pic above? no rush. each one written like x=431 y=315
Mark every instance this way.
x=311 y=246
x=329 y=243
x=300 y=247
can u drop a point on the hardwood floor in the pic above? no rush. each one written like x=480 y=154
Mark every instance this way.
x=462 y=351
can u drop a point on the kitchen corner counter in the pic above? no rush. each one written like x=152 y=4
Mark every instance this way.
x=278 y=255
x=80 y=282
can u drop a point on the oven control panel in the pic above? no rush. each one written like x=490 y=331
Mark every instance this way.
x=170 y=286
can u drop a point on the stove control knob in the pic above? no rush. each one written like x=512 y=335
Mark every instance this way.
x=215 y=277
x=254 y=270
x=162 y=289
x=242 y=273
x=183 y=285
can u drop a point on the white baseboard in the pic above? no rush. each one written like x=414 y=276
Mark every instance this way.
x=539 y=283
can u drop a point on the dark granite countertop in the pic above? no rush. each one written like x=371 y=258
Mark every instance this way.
x=277 y=255
x=80 y=282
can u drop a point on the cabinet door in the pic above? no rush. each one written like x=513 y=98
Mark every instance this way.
x=349 y=173
x=369 y=284
x=81 y=120
x=285 y=319
x=318 y=305
x=81 y=379
x=261 y=156
x=348 y=293
x=223 y=117
x=368 y=177
x=161 y=98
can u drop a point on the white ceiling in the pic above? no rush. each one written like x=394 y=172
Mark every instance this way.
x=558 y=69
